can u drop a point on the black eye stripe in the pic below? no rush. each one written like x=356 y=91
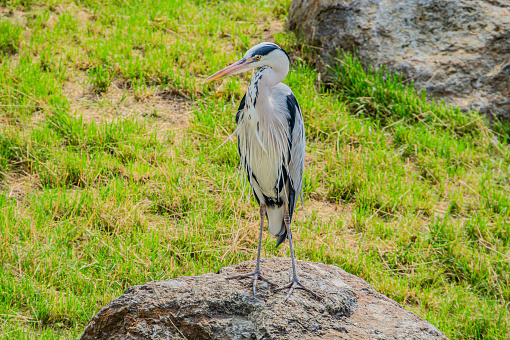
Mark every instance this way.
x=266 y=49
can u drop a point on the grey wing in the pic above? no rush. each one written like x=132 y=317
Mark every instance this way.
x=239 y=118
x=297 y=150
x=240 y=110
x=293 y=170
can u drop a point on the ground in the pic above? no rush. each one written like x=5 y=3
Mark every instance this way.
x=112 y=174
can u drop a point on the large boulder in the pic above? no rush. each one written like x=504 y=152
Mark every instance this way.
x=210 y=307
x=457 y=50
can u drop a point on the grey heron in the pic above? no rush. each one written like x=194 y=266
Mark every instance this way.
x=271 y=145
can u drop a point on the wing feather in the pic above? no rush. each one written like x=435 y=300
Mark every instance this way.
x=240 y=110
x=297 y=150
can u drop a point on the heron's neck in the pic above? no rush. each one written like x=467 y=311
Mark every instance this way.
x=263 y=80
x=272 y=75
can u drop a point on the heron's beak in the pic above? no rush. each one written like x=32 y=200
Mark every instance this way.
x=234 y=68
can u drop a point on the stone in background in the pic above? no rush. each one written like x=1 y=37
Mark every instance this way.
x=457 y=50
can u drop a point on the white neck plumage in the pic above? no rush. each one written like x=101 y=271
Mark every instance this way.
x=264 y=79
x=274 y=74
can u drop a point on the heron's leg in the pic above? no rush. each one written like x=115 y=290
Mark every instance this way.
x=294 y=284
x=262 y=218
x=257 y=274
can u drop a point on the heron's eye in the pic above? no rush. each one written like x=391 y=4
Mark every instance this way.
x=258 y=57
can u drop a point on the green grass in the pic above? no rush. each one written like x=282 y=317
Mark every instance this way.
x=410 y=195
x=10 y=36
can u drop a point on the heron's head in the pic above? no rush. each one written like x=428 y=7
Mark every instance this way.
x=263 y=54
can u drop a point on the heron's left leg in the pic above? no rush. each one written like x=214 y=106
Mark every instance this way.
x=257 y=274
x=294 y=284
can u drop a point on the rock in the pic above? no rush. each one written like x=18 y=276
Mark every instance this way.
x=210 y=307
x=458 y=50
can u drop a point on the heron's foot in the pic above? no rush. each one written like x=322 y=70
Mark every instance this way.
x=256 y=275
x=295 y=284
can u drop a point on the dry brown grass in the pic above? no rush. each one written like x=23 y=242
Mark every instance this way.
x=170 y=111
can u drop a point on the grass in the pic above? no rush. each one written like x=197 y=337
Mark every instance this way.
x=408 y=194
x=10 y=36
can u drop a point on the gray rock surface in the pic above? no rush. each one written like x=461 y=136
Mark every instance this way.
x=458 y=50
x=210 y=307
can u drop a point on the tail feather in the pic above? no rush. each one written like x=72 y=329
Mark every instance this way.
x=282 y=237
x=276 y=223
x=275 y=219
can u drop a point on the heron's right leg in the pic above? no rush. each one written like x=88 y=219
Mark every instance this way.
x=294 y=283
x=257 y=274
